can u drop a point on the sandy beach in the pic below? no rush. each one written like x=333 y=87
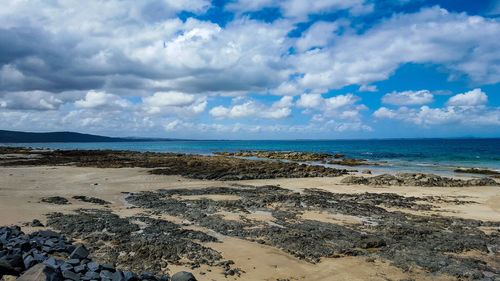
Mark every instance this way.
x=22 y=187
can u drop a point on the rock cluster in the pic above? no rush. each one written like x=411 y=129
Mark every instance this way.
x=191 y=166
x=352 y=162
x=37 y=257
x=418 y=179
x=477 y=171
x=58 y=200
x=433 y=243
x=292 y=156
x=91 y=200
x=140 y=242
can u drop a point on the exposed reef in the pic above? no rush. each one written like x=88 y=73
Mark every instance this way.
x=418 y=179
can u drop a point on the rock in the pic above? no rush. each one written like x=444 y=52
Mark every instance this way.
x=90 y=275
x=11 y=265
x=118 y=276
x=36 y=223
x=51 y=262
x=352 y=162
x=58 y=200
x=47 y=234
x=79 y=268
x=93 y=266
x=183 y=276
x=418 y=179
x=73 y=261
x=129 y=276
x=7 y=269
x=66 y=266
x=146 y=275
x=41 y=272
x=106 y=274
x=91 y=200
x=372 y=243
x=39 y=257
x=29 y=261
x=79 y=253
x=367 y=172
x=71 y=275
x=109 y=267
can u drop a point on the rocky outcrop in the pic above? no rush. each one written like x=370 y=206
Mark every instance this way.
x=191 y=166
x=429 y=242
x=31 y=257
x=477 y=171
x=418 y=179
x=352 y=162
x=292 y=156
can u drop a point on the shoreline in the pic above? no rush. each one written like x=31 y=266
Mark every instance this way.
x=425 y=156
x=133 y=194
x=376 y=167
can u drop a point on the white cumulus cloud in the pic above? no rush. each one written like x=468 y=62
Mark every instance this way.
x=471 y=98
x=95 y=99
x=408 y=98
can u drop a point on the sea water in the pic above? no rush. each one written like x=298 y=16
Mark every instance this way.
x=427 y=155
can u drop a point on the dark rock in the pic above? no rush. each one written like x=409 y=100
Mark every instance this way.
x=73 y=261
x=7 y=268
x=118 y=276
x=56 y=200
x=11 y=264
x=106 y=274
x=130 y=276
x=51 y=262
x=47 y=234
x=66 y=266
x=41 y=272
x=109 y=267
x=93 y=266
x=39 y=257
x=183 y=276
x=161 y=278
x=372 y=243
x=92 y=275
x=146 y=275
x=47 y=249
x=29 y=261
x=91 y=200
x=71 y=275
x=79 y=253
x=79 y=268
x=418 y=179
x=36 y=223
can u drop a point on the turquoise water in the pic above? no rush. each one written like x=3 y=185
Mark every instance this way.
x=441 y=155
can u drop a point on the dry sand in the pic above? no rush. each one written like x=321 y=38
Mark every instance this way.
x=21 y=189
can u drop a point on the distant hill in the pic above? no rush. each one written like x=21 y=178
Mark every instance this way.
x=14 y=136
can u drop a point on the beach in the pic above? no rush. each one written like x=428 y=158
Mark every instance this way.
x=131 y=193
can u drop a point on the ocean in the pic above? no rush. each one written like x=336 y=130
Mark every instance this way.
x=426 y=155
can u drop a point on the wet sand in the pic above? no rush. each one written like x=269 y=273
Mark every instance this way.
x=21 y=189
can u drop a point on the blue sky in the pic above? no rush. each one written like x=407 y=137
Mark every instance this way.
x=252 y=69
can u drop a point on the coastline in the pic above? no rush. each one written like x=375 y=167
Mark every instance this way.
x=24 y=186
x=441 y=156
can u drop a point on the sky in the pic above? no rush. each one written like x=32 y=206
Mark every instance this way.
x=251 y=69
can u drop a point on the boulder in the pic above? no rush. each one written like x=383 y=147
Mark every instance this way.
x=41 y=272
x=68 y=274
x=79 y=253
x=183 y=276
x=11 y=265
x=93 y=266
x=118 y=276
